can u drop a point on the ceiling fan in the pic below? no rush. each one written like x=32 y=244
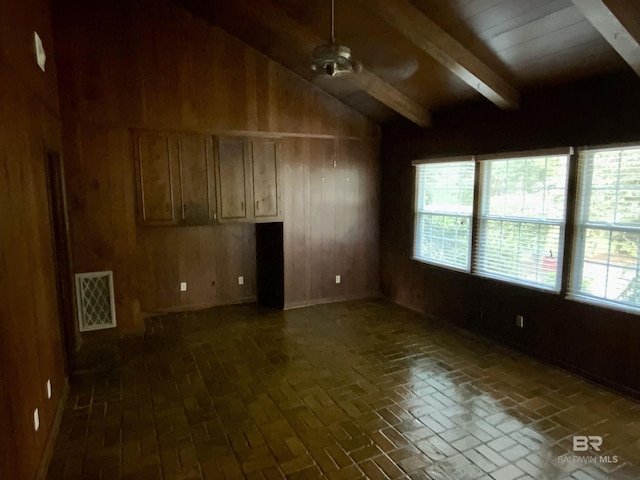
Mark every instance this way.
x=334 y=59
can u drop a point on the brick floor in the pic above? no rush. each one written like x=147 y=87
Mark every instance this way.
x=352 y=390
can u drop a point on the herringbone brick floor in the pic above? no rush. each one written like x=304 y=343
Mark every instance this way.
x=352 y=390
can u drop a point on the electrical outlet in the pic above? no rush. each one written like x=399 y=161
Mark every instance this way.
x=36 y=420
x=338 y=279
x=49 y=389
x=519 y=321
x=240 y=280
x=183 y=286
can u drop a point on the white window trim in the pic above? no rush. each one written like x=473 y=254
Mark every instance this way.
x=545 y=152
x=462 y=158
x=574 y=222
x=417 y=213
x=476 y=260
x=600 y=302
x=577 y=247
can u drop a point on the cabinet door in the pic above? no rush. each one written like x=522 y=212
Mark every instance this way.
x=232 y=168
x=265 y=170
x=154 y=163
x=197 y=184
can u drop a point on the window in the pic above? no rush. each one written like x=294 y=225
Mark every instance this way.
x=606 y=263
x=443 y=212
x=522 y=218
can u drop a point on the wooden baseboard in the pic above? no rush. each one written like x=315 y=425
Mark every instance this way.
x=53 y=434
x=585 y=375
x=200 y=306
x=320 y=301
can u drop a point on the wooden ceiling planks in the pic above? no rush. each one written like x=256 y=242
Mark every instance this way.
x=524 y=43
x=450 y=53
x=618 y=21
x=538 y=28
x=275 y=19
x=530 y=42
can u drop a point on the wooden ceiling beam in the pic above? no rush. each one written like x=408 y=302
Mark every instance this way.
x=619 y=23
x=391 y=97
x=387 y=94
x=275 y=19
x=430 y=38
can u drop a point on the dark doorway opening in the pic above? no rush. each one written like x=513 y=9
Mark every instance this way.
x=62 y=255
x=270 y=264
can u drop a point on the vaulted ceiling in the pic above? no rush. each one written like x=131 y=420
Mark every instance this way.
x=422 y=55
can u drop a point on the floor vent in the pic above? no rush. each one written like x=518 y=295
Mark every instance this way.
x=96 y=307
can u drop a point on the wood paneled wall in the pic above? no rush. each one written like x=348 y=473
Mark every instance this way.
x=331 y=219
x=599 y=343
x=30 y=343
x=149 y=64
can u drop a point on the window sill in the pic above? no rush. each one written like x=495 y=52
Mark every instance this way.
x=597 y=302
x=440 y=265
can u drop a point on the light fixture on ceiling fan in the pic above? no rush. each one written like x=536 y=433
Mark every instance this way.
x=334 y=59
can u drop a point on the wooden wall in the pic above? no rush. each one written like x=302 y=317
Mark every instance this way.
x=30 y=344
x=331 y=219
x=599 y=343
x=126 y=64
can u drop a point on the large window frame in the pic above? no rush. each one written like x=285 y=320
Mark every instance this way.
x=585 y=222
x=571 y=257
x=440 y=214
x=545 y=225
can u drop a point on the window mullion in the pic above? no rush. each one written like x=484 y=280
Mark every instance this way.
x=570 y=230
x=475 y=223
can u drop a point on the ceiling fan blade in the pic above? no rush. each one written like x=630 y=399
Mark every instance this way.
x=384 y=61
x=337 y=86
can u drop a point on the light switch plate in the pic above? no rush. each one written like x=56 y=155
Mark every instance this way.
x=41 y=56
x=183 y=286
x=241 y=280
x=338 y=279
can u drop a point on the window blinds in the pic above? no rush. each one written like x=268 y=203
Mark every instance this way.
x=443 y=213
x=606 y=263
x=521 y=220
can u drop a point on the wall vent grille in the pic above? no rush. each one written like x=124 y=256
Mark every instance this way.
x=96 y=306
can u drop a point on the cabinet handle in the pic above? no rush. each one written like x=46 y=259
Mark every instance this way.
x=257 y=204
x=242 y=206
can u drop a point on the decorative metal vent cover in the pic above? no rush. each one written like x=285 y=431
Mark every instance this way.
x=96 y=307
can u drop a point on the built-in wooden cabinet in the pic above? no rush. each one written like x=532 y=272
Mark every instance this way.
x=196 y=179
x=233 y=172
x=154 y=164
x=264 y=174
x=248 y=174
x=175 y=178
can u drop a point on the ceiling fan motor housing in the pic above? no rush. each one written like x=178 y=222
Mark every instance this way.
x=333 y=60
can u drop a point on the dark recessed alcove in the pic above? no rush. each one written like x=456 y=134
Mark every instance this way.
x=270 y=264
